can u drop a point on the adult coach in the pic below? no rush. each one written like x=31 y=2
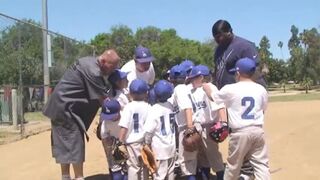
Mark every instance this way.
x=230 y=49
x=141 y=66
x=73 y=105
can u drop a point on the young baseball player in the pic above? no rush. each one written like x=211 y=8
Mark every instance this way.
x=110 y=116
x=180 y=99
x=131 y=133
x=246 y=102
x=209 y=155
x=160 y=132
x=119 y=82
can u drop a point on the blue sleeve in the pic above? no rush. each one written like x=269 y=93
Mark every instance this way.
x=251 y=52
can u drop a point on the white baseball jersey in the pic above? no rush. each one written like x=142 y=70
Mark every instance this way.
x=214 y=106
x=180 y=100
x=133 y=118
x=160 y=123
x=109 y=128
x=148 y=76
x=122 y=98
x=245 y=101
x=200 y=106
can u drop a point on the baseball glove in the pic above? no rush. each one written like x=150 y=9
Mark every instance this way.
x=120 y=153
x=219 y=131
x=191 y=140
x=148 y=158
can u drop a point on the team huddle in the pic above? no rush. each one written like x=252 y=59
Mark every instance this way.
x=170 y=128
x=181 y=120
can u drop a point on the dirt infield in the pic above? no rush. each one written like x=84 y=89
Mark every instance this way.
x=292 y=130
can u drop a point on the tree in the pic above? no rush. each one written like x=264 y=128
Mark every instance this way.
x=148 y=35
x=296 y=52
x=122 y=39
x=311 y=45
x=101 y=42
x=21 y=42
x=280 y=45
x=265 y=56
x=306 y=83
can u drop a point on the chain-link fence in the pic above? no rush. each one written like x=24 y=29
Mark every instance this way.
x=21 y=66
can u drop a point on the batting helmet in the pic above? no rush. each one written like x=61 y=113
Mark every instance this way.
x=219 y=131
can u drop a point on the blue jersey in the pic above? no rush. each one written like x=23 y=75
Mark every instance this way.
x=225 y=59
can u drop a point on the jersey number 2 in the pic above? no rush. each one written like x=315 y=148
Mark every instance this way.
x=246 y=113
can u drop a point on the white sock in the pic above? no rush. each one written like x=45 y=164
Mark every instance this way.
x=66 y=177
x=79 y=178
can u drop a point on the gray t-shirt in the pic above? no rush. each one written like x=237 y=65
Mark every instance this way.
x=225 y=59
x=76 y=96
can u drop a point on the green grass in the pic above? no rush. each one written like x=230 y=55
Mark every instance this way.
x=3 y=134
x=34 y=116
x=297 y=97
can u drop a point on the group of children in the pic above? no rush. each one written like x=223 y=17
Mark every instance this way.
x=160 y=117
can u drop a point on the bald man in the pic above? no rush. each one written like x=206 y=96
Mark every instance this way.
x=73 y=105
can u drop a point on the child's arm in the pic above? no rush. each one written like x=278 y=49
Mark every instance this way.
x=188 y=113
x=223 y=114
x=122 y=134
x=150 y=126
x=207 y=89
x=148 y=138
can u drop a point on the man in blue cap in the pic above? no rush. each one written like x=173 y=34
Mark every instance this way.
x=246 y=102
x=141 y=66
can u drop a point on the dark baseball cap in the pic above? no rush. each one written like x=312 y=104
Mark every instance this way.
x=244 y=66
x=204 y=70
x=186 y=65
x=163 y=90
x=138 y=86
x=195 y=71
x=143 y=55
x=176 y=71
x=117 y=75
x=110 y=109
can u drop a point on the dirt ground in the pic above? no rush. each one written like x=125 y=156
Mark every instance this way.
x=292 y=130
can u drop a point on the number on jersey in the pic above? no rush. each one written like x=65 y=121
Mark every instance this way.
x=136 y=122
x=163 y=125
x=249 y=103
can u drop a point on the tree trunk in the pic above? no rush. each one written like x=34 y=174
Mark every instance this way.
x=307 y=89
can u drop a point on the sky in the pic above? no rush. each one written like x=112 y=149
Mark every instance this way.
x=192 y=19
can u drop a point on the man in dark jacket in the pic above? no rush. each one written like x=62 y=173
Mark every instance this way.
x=73 y=106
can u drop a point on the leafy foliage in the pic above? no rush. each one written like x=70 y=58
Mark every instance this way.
x=21 y=51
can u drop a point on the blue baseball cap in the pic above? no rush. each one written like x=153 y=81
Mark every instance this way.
x=117 y=75
x=186 y=65
x=152 y=98
x=143 y=55
x=195 y=71
x=163 y=90
x=110 y=109
x=245 y=66
x=138 y=86
x=204 y=70
x=177 y=72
